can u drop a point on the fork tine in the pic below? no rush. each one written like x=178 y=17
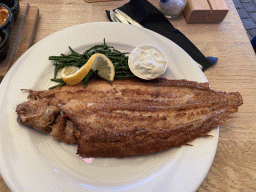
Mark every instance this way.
x=116 y=19
x=113 y=18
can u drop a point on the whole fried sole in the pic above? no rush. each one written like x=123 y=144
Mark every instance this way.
x=130 y=117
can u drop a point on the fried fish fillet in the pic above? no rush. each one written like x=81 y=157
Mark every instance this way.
x=134 y=117
x=37 y=114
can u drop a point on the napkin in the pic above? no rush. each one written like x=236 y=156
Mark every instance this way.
x=151 y=18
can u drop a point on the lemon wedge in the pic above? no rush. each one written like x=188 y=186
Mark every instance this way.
x=72 y=75
x=68 y=71
x=104 y=66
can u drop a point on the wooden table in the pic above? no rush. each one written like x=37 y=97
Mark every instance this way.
x=234 y=166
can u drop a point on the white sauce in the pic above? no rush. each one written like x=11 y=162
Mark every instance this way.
x=147 y=63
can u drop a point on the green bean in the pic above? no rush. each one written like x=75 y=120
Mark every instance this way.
x=118 y=58
x=60 y=81
x=87 y=77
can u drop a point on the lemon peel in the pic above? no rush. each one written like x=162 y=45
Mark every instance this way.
x=98 y=62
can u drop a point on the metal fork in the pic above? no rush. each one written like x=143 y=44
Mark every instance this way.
x=115 y=18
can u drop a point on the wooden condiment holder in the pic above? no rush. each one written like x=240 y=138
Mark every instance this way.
x=205 y=11
x=21 y=36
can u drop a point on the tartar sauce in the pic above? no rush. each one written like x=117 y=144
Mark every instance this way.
x=147 y=62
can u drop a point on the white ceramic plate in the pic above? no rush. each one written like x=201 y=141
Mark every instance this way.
x=31 y=161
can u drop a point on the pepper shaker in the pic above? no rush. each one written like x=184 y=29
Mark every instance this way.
x=172 y=8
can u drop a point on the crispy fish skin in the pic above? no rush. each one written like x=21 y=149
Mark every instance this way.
x=64 y=130
x=100 y=88
x=147 y=117
x=121 y=136
x=44 y=116
x=37 y=114
x=134 y=117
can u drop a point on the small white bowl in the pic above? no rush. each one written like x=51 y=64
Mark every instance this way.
x=132 y=58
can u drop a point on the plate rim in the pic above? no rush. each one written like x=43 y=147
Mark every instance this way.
x=5 y=80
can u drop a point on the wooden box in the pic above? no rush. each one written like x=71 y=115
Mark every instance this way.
x=205 y=11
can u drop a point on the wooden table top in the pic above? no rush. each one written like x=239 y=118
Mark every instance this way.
x=234 y=166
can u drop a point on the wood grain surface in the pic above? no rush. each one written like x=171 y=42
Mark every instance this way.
x=21 y=36
x=29 y=30
x=234 y=166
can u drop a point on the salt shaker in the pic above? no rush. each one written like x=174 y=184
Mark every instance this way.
x=172 y=8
